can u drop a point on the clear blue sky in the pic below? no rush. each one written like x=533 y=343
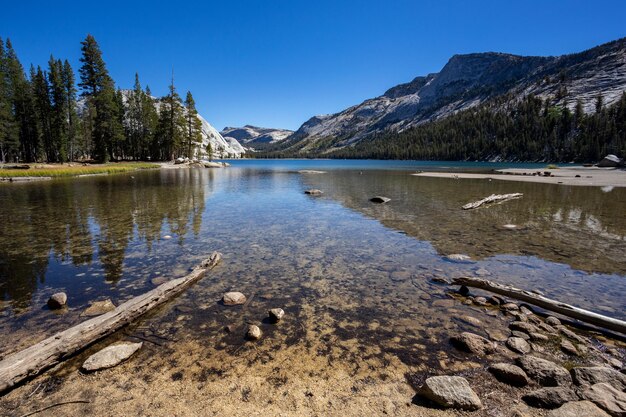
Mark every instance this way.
x=277 y=63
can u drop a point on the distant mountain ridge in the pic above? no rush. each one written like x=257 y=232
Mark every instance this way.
x=256 y=137
x=464 y=82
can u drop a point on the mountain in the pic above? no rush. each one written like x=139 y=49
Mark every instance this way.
x=469 y=81
x=254 y=136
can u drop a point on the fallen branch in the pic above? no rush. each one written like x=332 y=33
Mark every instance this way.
x=55 y=405
x=493 y=198
x=546 y=303
x=29 y=362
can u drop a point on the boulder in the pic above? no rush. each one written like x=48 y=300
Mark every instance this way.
x=380 y=199
x=234 y=298
x=276 y=314
x=110 y=356
x=253 y=333
x=473 y=343
x=611 y=161
x=509 y=374
x=99 y=307
x=314 y=191
x=608 y=398
x=57 y=301
x=450 y=392
x=596 y=374
x=578 y=409
x=518 y=345
x=523 y=327
x=551 y=397
x=510 y=307
x=569 y=348
x=553 y=321
x=546 y=373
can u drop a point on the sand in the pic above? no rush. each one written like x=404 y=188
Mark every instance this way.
x=577 y=176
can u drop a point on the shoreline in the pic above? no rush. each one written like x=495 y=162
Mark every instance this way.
x=576 y=176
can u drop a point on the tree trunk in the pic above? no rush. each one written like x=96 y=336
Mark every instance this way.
x=31 y=361
x=546 y=303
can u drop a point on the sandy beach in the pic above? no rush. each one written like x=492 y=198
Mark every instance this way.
x=580 y=176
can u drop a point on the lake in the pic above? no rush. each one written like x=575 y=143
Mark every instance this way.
x=355 y=278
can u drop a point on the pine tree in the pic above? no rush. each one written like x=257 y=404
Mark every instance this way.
x=149 y=122
x=99 y=90
x=59 y=128
x=9 y=139
x=43 y=112
x=193 y=132
x=134 y=125
x=67 y=78
x=22 y=104
x=171 y=125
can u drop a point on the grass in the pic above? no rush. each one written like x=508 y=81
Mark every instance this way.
x=552 y=166
x=63 y=170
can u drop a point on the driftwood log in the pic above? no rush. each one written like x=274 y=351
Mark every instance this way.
x=31 y=361
x=545 y=303
x=493 y=198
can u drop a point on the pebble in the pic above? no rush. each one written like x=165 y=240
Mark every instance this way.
x=98 y=308
x=253 y=333
x=276 y=314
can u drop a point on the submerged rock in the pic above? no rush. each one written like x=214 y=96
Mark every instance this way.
x=546 y=373
x=551 y=397
x=99 y=307
x=450 y=392
x=57 y=301
x=578 y=409
x=276 y=314
x=253 y=333
x=459 y=257
x=473 y=343
x=234 y=298
x=314 y=192
x=509 y=374
x=380 y=199
x=110 y=356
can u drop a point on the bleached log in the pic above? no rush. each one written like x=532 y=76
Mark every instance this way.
x=545 y=303
x=493 y=198
x=31 y=361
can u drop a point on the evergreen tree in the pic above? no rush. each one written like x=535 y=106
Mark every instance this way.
x=98 y=88
x=9 y=139
x=59 y=125
x=43 y=112
x=171 y=125
x=67 y=78
x=193 y=132
x=20 y=93
x=149 y=122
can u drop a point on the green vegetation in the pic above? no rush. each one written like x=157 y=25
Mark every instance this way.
x=41 y=119
x=72 y=171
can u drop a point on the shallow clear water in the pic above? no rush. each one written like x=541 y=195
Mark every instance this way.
x=338 y=260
